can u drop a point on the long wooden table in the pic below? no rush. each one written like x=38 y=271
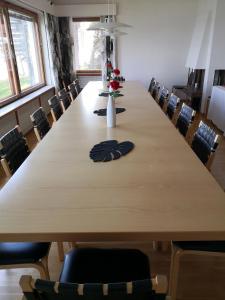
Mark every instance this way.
x=159 y=191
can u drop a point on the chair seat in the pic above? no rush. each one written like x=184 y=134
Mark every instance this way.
x=104 y=265
x=22 y=253
x=210 y=246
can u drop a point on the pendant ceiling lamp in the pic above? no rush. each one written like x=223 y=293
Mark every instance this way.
x=115 y=33
x=108 y=25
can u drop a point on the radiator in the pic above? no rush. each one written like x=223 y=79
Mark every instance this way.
x=83 y=80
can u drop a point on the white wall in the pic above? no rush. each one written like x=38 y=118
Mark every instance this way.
x=159 y=41
x=218 y=41
x=207 y=50
x=42 y=5
x=82 y=10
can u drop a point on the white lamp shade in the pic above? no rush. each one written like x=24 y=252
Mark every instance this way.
x=107 y=26
x=115 y=33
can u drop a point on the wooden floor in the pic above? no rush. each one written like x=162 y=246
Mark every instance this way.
x=200 y=278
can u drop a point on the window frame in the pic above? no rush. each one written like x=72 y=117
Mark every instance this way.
x=90 y=72
x=18 y=93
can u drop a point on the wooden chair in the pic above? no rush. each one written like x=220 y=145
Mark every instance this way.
x=25 y=255
x=155 y=91
x=72 y=91
x=56 y=108
x=151 y=85
x=13 y=150
x=40 y=122
x=163 y=97
x=64 y=99
x=100 y=274
x=77 y=86
x=172 y=106
x=185 y=120
x=204 y=144
x=179 y=249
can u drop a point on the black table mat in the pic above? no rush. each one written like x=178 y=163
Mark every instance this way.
x=102 y=112
x=110 y=150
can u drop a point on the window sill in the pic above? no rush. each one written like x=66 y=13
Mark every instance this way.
x=89 y=73
x=24 y=100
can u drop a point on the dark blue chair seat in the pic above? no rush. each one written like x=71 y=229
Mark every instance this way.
x=14 y=149
x=185 y=119
x=172 y=105
x=50 y=290
x=208 y=246
x=99 y=274
x=205 y=142
x=22 y=253
x=105 y=265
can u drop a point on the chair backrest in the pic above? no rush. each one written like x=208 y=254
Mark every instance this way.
x=56 y=108
x=13 y=150
x=156 y=90
x=205 y=142
x=148 y=289
x=72 y=91
x=185 y=119
x=40 y=122
x=172 y=105
x=151 y=85
x=77 y=86
x=64 y=98
x=163 y=96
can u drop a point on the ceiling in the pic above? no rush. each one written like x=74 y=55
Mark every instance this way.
x=65 y=2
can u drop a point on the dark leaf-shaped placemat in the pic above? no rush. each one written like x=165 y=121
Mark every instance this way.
x=110 y=150
x=106 y=94
x=103 y=111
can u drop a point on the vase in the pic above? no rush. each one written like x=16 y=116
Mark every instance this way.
x=111 y=112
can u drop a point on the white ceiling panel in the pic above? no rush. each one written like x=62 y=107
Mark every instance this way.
x=65 y=2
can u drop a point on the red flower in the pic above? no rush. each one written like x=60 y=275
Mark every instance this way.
x=114 y=85
x=116 y=72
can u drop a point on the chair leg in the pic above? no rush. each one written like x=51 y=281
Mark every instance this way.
x=45 y=265
x=72 y=245
x=161 y=246
x=60 y=250
x=165 y=106
x=156 y=245
x=174 y=269
x=165 y=246
x=42 y=267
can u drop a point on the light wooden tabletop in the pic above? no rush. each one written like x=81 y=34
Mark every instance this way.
x=159 y=191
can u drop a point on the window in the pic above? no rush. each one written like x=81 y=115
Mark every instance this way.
x=88 y=45
x=20 y=53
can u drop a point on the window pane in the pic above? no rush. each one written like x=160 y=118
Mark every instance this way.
x=88 y=47
x=6 y=89
x=26 y=49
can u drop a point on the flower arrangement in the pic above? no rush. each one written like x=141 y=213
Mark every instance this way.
x=114 y=85
x=116 y=72
x=114 y=92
